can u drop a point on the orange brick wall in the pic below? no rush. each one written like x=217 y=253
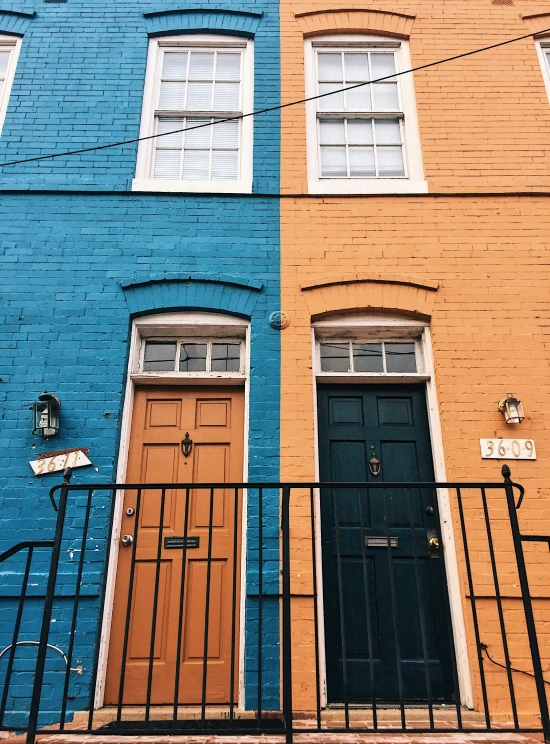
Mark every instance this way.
x=484 y=128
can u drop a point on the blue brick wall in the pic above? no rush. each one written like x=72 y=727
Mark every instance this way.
x=76 y=265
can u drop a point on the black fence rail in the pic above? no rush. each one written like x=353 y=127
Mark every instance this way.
x=287 y=608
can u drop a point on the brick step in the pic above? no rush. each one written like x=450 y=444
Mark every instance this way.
x=333 y=717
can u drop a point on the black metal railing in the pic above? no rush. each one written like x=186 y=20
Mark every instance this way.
x=274 y=608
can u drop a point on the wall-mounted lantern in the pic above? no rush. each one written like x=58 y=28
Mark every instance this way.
x=512 y=409
x=45 y=413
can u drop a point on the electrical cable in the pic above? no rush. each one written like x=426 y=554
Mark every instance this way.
x=273 y=108
x=485 y=648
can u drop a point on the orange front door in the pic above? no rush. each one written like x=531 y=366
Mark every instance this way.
x=214 y=422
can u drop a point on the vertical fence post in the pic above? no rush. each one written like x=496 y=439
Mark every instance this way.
x=286 y=618
x=527 y=603
x=47 y=614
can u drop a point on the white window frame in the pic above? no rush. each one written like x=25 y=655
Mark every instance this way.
x=144 y=180
x=193 y=328
x=543 y=48
x=413 y=182
x=371 y=329
x=13 y=45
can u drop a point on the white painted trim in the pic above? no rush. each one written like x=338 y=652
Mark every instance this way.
x=180 y=324
x=12 y=44
x=379 y=325
x=447 y=531
x=543 y=47
x=318 y=542
x=200 y=187
x=414 y=182
x=143 y=180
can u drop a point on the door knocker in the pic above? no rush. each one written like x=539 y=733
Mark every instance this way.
x=374 y=465
x=186 y=445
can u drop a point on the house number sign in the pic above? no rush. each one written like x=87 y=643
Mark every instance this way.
x=508 y=449
x=52 y=462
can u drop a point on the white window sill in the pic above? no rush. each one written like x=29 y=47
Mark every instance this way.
x=367 y=186
x=211 y=187
x=197 y=378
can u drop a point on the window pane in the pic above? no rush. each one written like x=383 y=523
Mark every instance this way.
x=331 y=103
x=361 y=162
x=226 y=134
x=174 y=66
x=199 y=96
x=390 y=161
x=226 y=96
x=359 y=131
x=4 y=59
x=382 y=65
x=228 y=66
x=159 y=356
x=193 y=358
x=368 y=358
x=333 y=161
x=172 y=96
x=225 y=165
x=358 y=99
x=329 y=67
x=356 y=67
x=170 y=140
x=226 y=357
x=167 y=164
x=388 y=132
x=196 y=165
x=201 y=66
x=335 y=358
x=385 y=97
x=400 y=357
x=332 y=131
x=198 y=138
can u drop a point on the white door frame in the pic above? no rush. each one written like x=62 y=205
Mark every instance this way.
x=173 y=325
x=391 y=326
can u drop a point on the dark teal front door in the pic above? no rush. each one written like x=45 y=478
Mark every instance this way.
x=387 y=624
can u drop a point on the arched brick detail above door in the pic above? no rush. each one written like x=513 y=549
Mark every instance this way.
x=382 y=22
x=402 y=294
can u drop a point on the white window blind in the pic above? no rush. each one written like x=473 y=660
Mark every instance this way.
x=353 y=144
x=5 y=55
x=198 y=87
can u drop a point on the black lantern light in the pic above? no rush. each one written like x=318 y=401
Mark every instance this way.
x=45 y=413
x=512 y=409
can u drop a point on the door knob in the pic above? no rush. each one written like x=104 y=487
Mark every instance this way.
x=127 y=540
x=433 y=542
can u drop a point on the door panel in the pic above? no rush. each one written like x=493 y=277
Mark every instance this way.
x=214 y=421
x=378 y=600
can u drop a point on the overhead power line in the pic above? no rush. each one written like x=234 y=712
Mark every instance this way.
x=272 y=108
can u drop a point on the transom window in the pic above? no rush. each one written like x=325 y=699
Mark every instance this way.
x=358 y=146
x=386 y=357
x=194 y=86
x=192 y=355
x=9 y=50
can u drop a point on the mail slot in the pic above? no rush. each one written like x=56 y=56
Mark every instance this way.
x=381 y=542
x=173 y=543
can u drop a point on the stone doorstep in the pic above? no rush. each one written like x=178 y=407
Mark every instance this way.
x=313 y=738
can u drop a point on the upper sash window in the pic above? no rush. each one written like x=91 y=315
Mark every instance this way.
x=193 y=86
x=9 y=51
x=364 y=139
x=543 y=49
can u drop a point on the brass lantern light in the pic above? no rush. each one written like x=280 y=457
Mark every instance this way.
x=45 y=414
x=512 y=409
